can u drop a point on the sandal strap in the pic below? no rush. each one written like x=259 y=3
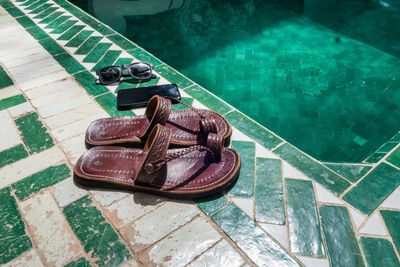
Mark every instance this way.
x=157 y=112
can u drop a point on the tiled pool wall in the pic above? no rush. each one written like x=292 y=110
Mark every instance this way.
x=271 y=196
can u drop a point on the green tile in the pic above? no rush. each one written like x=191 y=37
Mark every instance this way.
x=51 y=46
x=122 y=61
x=269 y=202
x=392 y=221
x=168 y=73
x=71 y=33
x=51 y=18
x=207 y=99
x=97 y=52
x=244 y=187
x=259 y=247
x=340 y=240
x=151 y=82
x=38 y=7
x=12 y=154
x=15 y=12
x=88 y=45
x=378 y=252
x=46 y=13
x=6 y=3
x=63 y=27
x=109 y=103
x=97 y=236
x=212 y=204
x=79 y=39
x=121 y=42
x=25 y=21
x=70 y=64
x=88 y=81
x=253 y=130
x=109 y=58
x=352 y=172
x=142 y=55
x=34 y=183
x=377 y=185
x=5 y=80
x=394 y=157
x=12 y=229
x=57 y=22
x=28 y=3
x=179 y=106
x=34 y=134
x=12 y=101
x=312 y=169
x=82 y=262
x=37 y=33
x=304 y=228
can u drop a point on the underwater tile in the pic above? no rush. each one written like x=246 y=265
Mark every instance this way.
x=259 y=247
x=171 y=75
x=121 y=41
x=70 y=64
x=253 y=130
x=45 y=13
x=312 y=169
x=304 y=228
x=12 y=101
x=212 y=204
x=97 y=236
x=25 y=21
x=97 y=53
x=392 y=221
x=109 y=104
x=269 y=202
x=394 y=157
x=387 y=147
x=63 y=27
x=339 y=235
x=374 y=158
x=5 y=80
x=377 y=185
x=54 y=24
x=34 y=183
x=12 y=154
x=71 y=32
x=244 y=186
x=141 y=55
x=14 y=240
x=34 y=134
x=81 y=262
x=51 y=17
x=352 y=172
x=51 y=46
x=108 y=59
x=378 y=252
x=88 y=81
x=37 y=33
x=208 y=100
x=88 y=45
x=79 y=38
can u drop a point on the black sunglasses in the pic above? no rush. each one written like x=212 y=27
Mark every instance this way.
x=137 y=70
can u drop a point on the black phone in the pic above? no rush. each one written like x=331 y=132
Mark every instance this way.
x=139 y=97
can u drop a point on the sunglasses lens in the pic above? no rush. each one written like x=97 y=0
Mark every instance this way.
x=110 y=74
x=140 y=70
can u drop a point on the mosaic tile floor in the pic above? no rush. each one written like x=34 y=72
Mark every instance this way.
x=286 y=209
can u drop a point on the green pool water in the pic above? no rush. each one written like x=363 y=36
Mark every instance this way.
x=323 y=75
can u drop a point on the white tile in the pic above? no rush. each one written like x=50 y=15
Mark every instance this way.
x=33 y=70
x=43 y=80
x=26 y=54
x=21 y=109
x=53 y=88
x=324 y=196
x=262 y=152
x=29 y=258
x=313 y=262
x=8 y=131
x=73 y=115
x=158 y=223
x=358 y=218
x=239 y=136
x=36 y=56
x=279 y=232
x=107 y=197
x=74 y=148
x=67 y=192
x=373 y=226
x=222 y=254
x=393 y=201
x=49 y=229
x=63 y=106
x=183 y=245
x=9 y=92
x=56 y=97
x=290 y=172
x=131 y=207
x=16 y=171
x=246 y=204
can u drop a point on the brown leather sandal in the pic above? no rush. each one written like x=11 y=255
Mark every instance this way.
x=189 y=172
x=189 y=127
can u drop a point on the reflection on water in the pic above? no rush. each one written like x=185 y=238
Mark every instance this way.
x=321 y=74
